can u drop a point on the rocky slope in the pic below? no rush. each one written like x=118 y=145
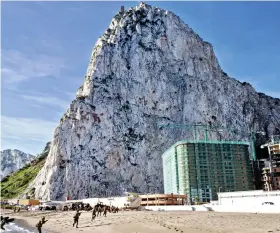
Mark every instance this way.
x=13 y=160
x=15 y=184
x=148 y=68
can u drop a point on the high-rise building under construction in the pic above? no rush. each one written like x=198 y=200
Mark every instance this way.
x=271 y=170
x=201 y=169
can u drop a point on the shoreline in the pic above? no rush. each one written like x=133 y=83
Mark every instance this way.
x=24 y=224
x=27 y=222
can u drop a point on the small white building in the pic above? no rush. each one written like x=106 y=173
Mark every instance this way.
x=114 y=201
x=250 y=199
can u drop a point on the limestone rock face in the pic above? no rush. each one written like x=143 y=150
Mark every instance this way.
x=13 y=160
x=148 y=68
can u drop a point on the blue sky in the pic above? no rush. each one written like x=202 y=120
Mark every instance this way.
x=46 y=47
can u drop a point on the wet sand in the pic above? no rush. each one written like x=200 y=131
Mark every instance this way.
x=23 y=223
x=154 y=222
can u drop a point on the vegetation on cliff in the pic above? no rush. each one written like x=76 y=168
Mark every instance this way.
x=16 y=183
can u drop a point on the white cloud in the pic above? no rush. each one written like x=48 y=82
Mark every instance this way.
x=51 y=43
x=17 y=67
x=70 y=95
x=45 y=5
x=26 y=134
x=48 y=100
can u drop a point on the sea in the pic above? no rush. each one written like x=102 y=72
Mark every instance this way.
x=20 y=226
x=16 y=228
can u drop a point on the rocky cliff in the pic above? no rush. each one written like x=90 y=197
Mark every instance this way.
x=148 y=68
x=13 y=160
x=16 y=184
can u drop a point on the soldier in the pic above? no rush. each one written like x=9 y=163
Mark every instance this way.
x=3 y=222
x=39 y=225
x=93 y=214
x=76 y=218
x=44 y=220
x=105 y=211
x=99 y=210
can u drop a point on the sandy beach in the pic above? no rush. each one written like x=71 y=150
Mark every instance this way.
x=153 y=222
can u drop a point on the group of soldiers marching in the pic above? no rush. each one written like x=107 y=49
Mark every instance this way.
x=96 y=211
x=99 y=209
x=77 y=206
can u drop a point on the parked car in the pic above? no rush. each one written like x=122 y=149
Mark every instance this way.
x=23 y=207
x=36 y=207
x=48 y=206
x=267 y=203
